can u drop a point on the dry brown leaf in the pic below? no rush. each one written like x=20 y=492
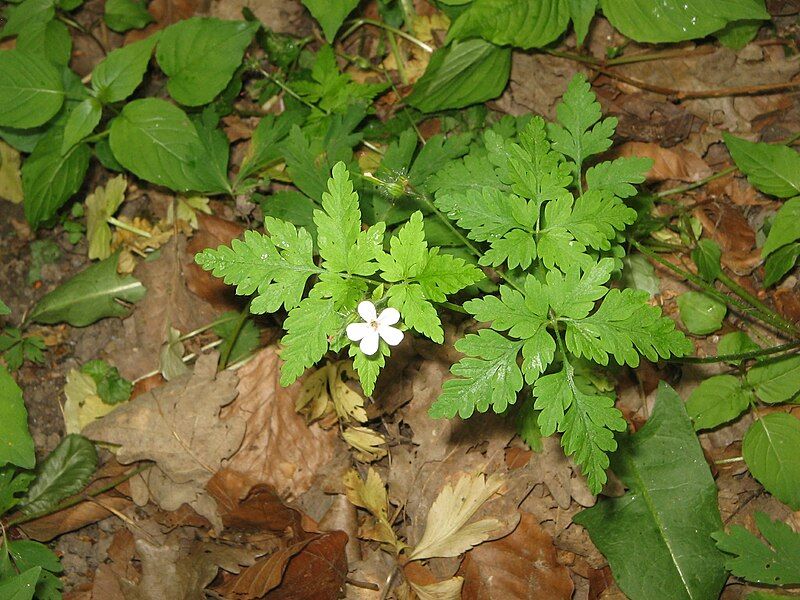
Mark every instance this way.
x=180 y=569
x=278 y=449
x=178 y=426
x=668 y=164
x=426 y=587
x=342 y=516
x=167 y=304
x=447 y=533
x=49 y=527
x=521 y=565
x=366 y=443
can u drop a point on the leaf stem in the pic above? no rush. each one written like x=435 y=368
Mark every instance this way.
x=127 y=227
x=406 y=36
x=223 y=361
x=738 y=356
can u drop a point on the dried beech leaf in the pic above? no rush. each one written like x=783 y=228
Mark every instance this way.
x=521 y=565
x=446 y=530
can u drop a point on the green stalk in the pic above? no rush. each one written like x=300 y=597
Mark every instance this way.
x=406 y=36
x=755 y=302
x=127 y=227
x=738 y=356
x=223 y=360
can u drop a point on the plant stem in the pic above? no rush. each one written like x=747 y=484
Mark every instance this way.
x=737 y=357
x=127 y=227
x=755 y=302
x=70 y=502
x=406 y=36
x=696 y=184
x=97 y=136
x=223 y=361
x=199 y=330
x=289 y=90
x=398 y=58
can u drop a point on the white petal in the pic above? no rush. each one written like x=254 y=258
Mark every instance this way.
x=369 y=345
x=358 y=331
x=390 y=316
x=367 y=311
x=391 y=335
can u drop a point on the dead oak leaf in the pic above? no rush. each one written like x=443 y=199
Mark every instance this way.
x=178 y=426
x=447 y=533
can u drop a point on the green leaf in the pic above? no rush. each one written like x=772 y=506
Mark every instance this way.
x=17 y=447
x=579 y=132
x=112 y=387
x=488 y=214
x=461 y=74
x=573 y=295
x=770 y=451
x=65 y=471
x=369 y=367
x=488 y=376
x=28 y=554
x=528 y=426
x=586 y=420
x=100 y=206
x=276 y=266
x=626 y=326
x=776 y=380
x=22 y=586
x=784 y=228
x=89 y=296
x=17 y=348
x=4 y=310
x=772 y=168
x=306 y=341
x=246 y=342
x=119 y=74
x=418 y=313
x=677 y=20
x=29 y=12
x=200 y=55
x=81 y=123
x=618 y=176
x=779 y=263
x=521 y=23
x=736 y=342
x=717 y=400
x=706 y=256
x=701 y=314
x=264 y=143
x=157 y=142
x=330 y=14
x=13 y=485
x=343 y=247
x=31 y=91
x=581 y=12
x=737 y=34
x=771 y=563
x=638 y=274
x=124 y=15
x=668 y=515
x=50 y=39
x=50 y=178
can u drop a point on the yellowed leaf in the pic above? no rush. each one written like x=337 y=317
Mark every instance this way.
x=10 y=178
x=171 y=356
x=326 y=391
x=370 y=494
x=449 y=589
x=447 y=533
x=101 y=205
x=83 y=405
x=366 y=443
x=187 y=209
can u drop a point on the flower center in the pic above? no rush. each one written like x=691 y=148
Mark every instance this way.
x=374 y=324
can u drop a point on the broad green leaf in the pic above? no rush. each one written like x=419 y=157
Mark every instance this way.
x=521 y=23
x=28 y=554
x=779 y=263
x=784 y=228
x=618 y=176
x=774 y=563
x=50 y=178
x=4 y=310
x=776 y=380
x=24 y=14
x=13 y=485
x=667 y=516
x=330 y=14
x=111 y=386
x=677 y=20
x=737 y=34
x=121 y=71
x=50 y=39
x=123 y=15
x=638 y=273
x=488 y=376
x=246 y=341
x=10 y=175
x=81 y=123
x=770 y=451
x=581 y=12
x=65 y=471
x=701 y=313
x=717 y=400
x=89 y=296
x=22 y=586
x=626 y=326
x=736 y=342
x=276 y=266
x=157 y=142
x=706 y=256
x=587 y=420
x=306 y=341
x=17 y=447
x=200 y=55
x=31 y=91
x=772 y=168
x=100 y=206
x=462 y=73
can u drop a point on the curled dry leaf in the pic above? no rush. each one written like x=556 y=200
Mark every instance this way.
x=668 y=164
x=178 y=426
x=83 y=405
x=365 y=442
x=325 y=391
x=521 y=565
x=447 y=533
x=278 y=449
x=425 y=586
x=370 y=494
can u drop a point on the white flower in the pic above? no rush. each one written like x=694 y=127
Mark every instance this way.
x=374 y=328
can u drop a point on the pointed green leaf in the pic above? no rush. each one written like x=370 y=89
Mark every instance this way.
x=121 y=71
x=772 y=168
x=770 y=451
x=17 y=445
